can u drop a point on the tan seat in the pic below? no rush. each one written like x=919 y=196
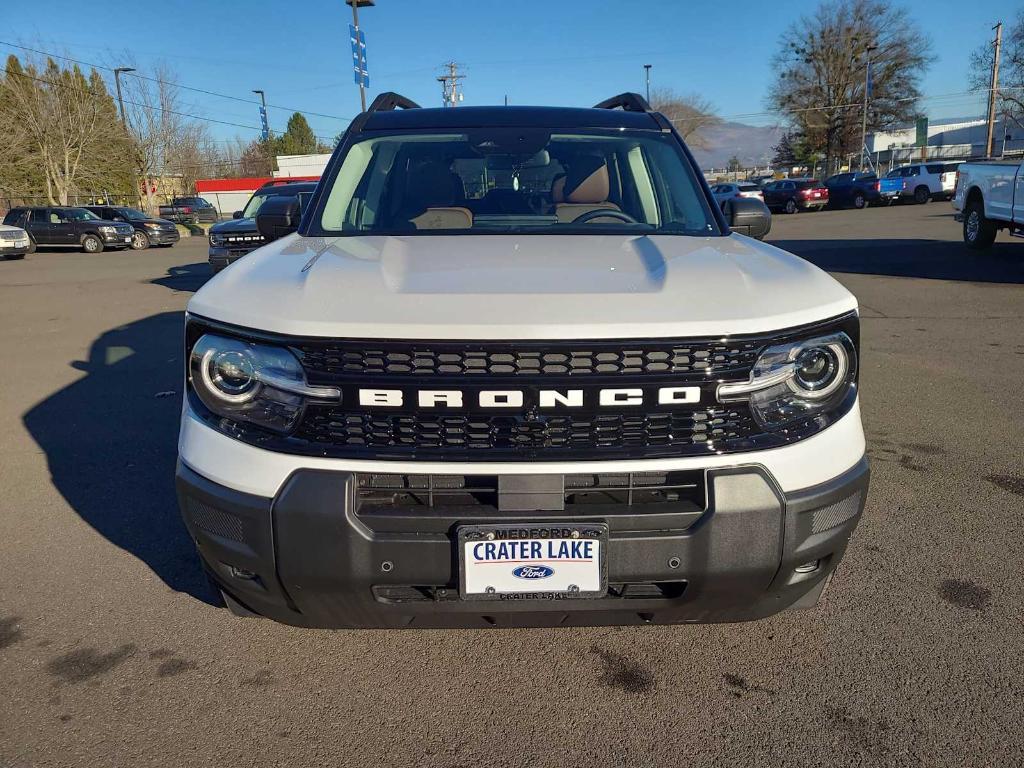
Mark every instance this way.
x=454 y=217
x=431 y=197
x=585 y=187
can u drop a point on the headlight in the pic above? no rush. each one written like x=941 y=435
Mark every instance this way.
x=248 y=382
x=798 y=380
x=216 y=239
x=107 y=229
x=151 y=225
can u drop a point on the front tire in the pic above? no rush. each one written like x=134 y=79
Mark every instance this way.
x=922 y=195
x=31 y=244
x=791 y=206
x=92 y=244
x=140 y=241
x=979 y=232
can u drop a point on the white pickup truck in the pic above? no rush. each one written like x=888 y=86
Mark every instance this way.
x=989 y=196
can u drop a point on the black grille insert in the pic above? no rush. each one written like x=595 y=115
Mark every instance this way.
x=492 y=436
x=361 y=358
x=647 y=491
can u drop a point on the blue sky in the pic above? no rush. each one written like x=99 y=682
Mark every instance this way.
x=573 y=52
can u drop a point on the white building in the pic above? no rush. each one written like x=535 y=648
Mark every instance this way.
x=301 y=165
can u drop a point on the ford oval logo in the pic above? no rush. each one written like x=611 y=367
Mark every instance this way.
x=533 y=572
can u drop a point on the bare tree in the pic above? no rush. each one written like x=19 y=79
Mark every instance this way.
x=63 y=122
x=157 y=126
x=691 y=114
x=821 y=66
x=1010 y=96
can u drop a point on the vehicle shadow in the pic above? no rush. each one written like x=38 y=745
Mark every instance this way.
x=110 y=442
x=934 y=259
x=185 y=277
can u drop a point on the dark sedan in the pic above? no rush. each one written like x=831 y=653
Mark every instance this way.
x=859 y=190
x=148 y=231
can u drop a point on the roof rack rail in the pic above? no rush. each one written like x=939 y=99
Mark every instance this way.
x=390 y=100
x=631 y=102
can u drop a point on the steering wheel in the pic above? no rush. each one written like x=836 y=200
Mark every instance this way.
x=583 y=218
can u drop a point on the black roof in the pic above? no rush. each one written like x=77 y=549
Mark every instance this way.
x=477 y=117
x=291 y=188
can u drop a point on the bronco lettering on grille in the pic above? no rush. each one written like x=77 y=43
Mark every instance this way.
x=545 y=398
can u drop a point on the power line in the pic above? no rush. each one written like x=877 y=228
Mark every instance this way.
x=172 y=84
x=163 y=110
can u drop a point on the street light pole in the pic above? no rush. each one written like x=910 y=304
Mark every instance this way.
x=647 y=72
x=355 y=23
x=263 y=101
x=864 y=118
x=120 y=101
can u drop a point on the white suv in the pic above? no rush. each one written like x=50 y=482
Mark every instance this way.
x=923 y=182
x=516 y=367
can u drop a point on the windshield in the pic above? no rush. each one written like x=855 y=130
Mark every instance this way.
x=131 y=214
x=78 y=214
x=253 y=206
x=504 y=180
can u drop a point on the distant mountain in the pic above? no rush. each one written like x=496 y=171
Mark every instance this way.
x=752 y=144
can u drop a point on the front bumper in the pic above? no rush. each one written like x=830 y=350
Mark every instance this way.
x=162 y=236
x=116 y=239
x=13 y=248
x=311 y=557
x=221 y=256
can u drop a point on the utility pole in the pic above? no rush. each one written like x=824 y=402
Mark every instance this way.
x=647 y=72
x=356 y=4
x=120 y=101
x=867 y=95
x=993 y=89
x=450 y=94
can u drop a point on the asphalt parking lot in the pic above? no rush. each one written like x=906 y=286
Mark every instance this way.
x=111 y=653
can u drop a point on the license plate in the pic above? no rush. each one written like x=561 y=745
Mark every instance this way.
x=127 y=239
x=532 y=560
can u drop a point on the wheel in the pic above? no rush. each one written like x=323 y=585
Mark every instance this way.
x=31 y=244
x=979 y=232
x=791 y=206
x=140 y=241
x=922 y=195
x=92 y=244
x=859 y=201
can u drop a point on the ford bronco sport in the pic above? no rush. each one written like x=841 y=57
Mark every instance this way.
x=516 y=368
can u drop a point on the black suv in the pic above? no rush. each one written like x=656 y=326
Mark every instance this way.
x=231 y=240
x=59 y=225
x=148 y=231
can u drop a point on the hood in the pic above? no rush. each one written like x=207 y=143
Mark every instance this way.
x=520 y=287
x=234 y=225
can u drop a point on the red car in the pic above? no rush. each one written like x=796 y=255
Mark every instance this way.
x=792 y=195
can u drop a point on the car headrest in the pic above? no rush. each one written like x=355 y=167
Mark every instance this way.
x=587 y=181
x=429 y=185
x=558 y=189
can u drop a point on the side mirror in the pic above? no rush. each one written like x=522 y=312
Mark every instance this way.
x=748 y=216
x=236 y=215
x=278 y=216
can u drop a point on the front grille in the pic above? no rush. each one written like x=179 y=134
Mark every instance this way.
x=250 y=240
x=332 y=359
x=593 y=430
x=487 y=437
x=648 y=491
